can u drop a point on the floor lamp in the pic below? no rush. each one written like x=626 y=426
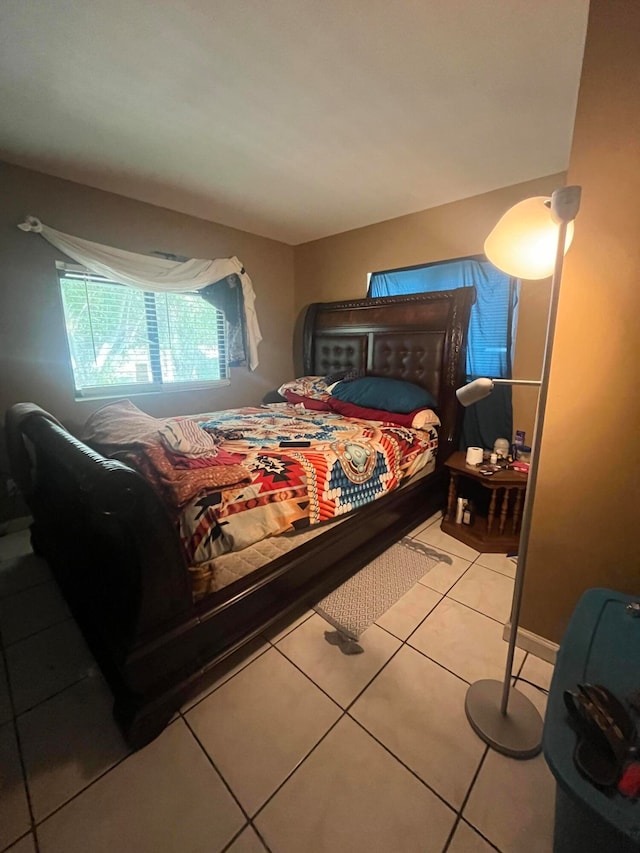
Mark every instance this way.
x=529 y=242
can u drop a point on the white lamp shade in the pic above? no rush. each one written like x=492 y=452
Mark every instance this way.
x=474 y=391
x=524 y=242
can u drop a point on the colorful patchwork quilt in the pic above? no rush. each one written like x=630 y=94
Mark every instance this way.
x=305 y=467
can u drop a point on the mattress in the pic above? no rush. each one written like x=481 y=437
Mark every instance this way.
x=227 y=568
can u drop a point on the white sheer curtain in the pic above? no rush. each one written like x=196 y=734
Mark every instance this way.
x=157 y=274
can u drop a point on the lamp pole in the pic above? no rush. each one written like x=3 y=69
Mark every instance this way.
x=527 y=511
x=517 y=730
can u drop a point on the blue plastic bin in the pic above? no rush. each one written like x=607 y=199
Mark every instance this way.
x=601 y=646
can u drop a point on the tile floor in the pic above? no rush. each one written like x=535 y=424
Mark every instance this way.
x=292 y=747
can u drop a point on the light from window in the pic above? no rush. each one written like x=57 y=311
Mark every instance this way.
x=124 y=340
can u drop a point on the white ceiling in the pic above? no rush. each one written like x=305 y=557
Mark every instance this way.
x=293 y=119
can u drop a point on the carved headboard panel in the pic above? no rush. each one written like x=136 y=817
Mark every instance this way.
x=419 y=338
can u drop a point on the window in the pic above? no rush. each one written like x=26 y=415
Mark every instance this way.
x=127 y=341
x=492 y=322
x=490 y=337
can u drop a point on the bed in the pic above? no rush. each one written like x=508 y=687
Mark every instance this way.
x=118 y=557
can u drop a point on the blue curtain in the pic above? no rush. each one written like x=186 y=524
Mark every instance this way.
x=491 y=332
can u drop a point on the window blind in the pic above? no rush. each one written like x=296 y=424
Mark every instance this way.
x=123 y=338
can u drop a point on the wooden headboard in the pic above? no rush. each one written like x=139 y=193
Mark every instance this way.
x=419 y=338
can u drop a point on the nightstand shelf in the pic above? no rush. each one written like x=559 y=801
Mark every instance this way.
x=497 y=500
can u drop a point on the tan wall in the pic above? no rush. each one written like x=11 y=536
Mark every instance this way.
x=585 y=523
x=33 y=358
x=336 y=267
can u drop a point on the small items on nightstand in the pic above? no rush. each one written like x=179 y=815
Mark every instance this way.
x=501 y=448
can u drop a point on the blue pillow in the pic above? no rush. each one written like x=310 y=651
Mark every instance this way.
x=391 y=395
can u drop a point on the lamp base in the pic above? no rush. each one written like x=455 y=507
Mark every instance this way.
x=518 y=733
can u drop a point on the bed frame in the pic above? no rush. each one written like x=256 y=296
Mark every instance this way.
x=117 y=557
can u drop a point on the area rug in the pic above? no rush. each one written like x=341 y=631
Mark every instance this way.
x=374 y=589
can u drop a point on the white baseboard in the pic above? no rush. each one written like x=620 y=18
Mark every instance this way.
x=534 y=643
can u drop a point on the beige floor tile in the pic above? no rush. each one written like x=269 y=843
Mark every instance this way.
x=341 y=676
x=434 y=536
x=227 y=669
x=247 y=842
x=15 y=544
x=464 y=641
x=409 y=611
x=6 y=711
x=486 y=591
x=499 y=563
x=416 y=709
x=537 y=696
x=537 y=671
x=352 y=795
x=424 y=524
x=260 y=724
x=25 y=845
x=467 y=840
x=444 y=575
x=46 y=663
x=286 y=626
x=166 y=797
x=14 y=811
x=22 y=572
x=67 y=742
x=30 y=611
x=512 y=804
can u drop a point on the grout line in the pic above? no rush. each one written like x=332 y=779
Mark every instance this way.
x=226 y=680
x=50 y=580
x=443 y=596
x=495 y=571
x=15 y=642
x=29 y=588
x=521 y=667
x=531 y=684
x=57 y=693
x=212 y=763
x=465 y=800
x=297 y=767
x=129 y=754
x=309 y=678
x=247 y=827
x=475 y=610
x=74 y=796
x=451 y=586
x=441 y=665
x=371 y=680
x=261 y=837
x=352 y=703
x=400 y=761
x=235 y=837
x=481 y=834
x=292 y=628
x=269 y=644
x=18 y=742
x=28 y=834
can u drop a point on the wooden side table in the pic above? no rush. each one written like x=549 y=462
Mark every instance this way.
x=497 y=503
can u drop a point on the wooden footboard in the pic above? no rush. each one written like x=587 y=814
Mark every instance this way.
x=110 y=543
